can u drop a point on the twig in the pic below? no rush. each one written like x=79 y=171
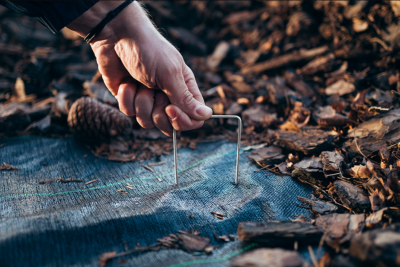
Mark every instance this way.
x=46 y=181
x=6 y=166
x=333 y=174
x=314 y=260
x=382 y=43
x=92 y=181
x=266 y=168
x=109 y=255
x=321 y=242
x=326 y=194
x=68 y=180
x=157 y=163
x=147 y=167
x=378 y=108
x=281 y=61
x=395 y=92
x=355 y=141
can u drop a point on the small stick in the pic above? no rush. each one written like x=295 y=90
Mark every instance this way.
x=92 y=181
x=68 y=180
x=147 y=167
x=45 y=181
x=112 y=255
x=157 y=163
x=382 y=43
x=314 y=260
x=266 y=168
x=378 y=108
x=326 y=194
x=159 y=179
x=321 y=242
x=395 y=92
x=355 y=141
x=216 y=213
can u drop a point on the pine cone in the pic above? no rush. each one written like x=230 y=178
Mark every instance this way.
x=90 y=119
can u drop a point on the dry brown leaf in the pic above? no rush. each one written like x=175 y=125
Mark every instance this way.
x=289 y=126
x=340 y=88
x=359 y=25
x=361 y=171
x=377 y=200
x=243 y=101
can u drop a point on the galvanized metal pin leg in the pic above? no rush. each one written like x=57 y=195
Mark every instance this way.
x=238 y=145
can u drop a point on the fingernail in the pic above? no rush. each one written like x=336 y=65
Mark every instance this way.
x=203 y=111
x=171 y=113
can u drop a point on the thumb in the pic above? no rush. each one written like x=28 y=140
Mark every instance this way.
x=186 y=98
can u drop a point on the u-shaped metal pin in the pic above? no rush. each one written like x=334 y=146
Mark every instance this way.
x=238 y=145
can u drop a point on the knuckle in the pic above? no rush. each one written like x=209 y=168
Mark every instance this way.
x=178 y=127
x=174 y=71
x=126 y=111
x=157 y=118
x=197 y=125
x=188 y=70
x=186 y=98
x=146 y=124
x=129 y=113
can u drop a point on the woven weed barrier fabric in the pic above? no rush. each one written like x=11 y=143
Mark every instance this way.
x=72 y=224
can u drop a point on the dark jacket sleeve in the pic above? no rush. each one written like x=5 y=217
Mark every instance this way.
x=54 y=15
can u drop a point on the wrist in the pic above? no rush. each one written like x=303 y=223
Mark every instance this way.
x=86 y=22
x=131 y=20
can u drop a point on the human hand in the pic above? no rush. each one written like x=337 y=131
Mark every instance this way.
x=147 y=75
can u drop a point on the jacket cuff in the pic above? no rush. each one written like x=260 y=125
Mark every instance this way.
x=54 y=15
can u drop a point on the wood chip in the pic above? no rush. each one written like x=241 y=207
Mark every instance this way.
x=279 y=233
x=308 y=141
x=352 y=196
x=374 y=247
x=193 y=243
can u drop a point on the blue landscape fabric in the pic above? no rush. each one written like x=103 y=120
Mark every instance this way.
x=72 y=224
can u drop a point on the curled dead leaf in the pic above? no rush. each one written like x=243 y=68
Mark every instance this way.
x=360 y=171
x=359 y=25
